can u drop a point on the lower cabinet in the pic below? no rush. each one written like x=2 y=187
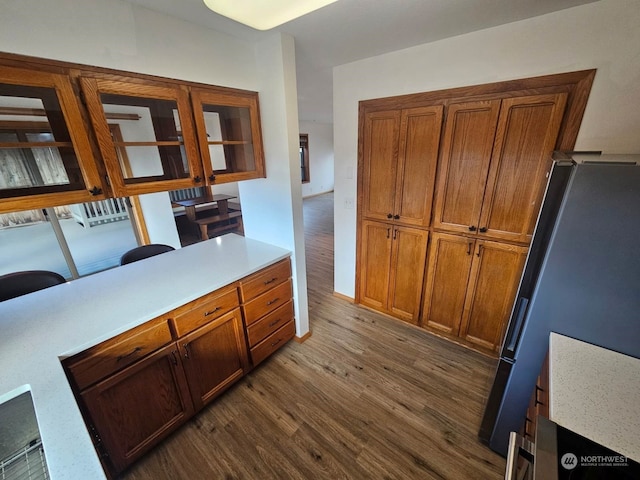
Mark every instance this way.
x=470 y=288
x=392 y=268
x=129 y=415
x=136 y=388
x=538 y=404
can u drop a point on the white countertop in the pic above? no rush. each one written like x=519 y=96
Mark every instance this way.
x=596 y=393
x=39 y=329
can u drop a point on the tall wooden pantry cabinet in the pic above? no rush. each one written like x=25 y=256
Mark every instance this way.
x=449 y=188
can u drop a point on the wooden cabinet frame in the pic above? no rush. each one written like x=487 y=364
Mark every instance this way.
x=572 y=88
x=92 y=142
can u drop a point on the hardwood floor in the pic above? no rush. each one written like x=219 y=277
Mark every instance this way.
x=365 y=397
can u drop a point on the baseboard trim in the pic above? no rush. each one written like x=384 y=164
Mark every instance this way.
x=303 y=338
x=344 y=297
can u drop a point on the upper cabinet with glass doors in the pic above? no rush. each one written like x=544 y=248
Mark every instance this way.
x=229 y=134
x=45 y=155
x=145 y=134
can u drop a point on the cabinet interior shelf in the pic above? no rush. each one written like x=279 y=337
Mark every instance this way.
x=229 y=142
x=35 y=144
x=167 y=143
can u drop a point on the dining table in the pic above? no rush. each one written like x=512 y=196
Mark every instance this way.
x=190 y=204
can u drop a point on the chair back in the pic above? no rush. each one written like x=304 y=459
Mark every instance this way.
x=20 y=283
x=145 y=251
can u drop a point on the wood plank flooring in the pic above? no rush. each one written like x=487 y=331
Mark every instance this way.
x=366 y=397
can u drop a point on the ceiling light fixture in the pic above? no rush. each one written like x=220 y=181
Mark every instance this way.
x=265 y=14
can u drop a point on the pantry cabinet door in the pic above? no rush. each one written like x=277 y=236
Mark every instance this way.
x=449 y=264
x=375 y=258
x=493 y=282
x=525 y=138
x=409 y=251
x=380 y=160
x=419 y=142
x=464 y=165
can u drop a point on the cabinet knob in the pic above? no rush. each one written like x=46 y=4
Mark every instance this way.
x=389 y=215
x=396 y=217
x=197 y=179
x=472 y=228
x=212 y=178
x=95 y=191
x=482 y=229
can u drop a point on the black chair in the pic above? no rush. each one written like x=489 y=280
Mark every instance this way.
x=20 y=283
x=145 y=251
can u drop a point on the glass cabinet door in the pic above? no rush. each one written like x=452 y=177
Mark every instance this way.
x=145 y=134
x=44 y=150
x=229 y=135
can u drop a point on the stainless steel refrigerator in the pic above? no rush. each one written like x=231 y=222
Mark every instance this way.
x=581 y=279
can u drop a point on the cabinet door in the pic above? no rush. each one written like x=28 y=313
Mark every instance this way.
x=146 y=136
x=133 y=409
x=375 y=257
x=419 y=142
x=494 y=278
x=48 y=159
x=450 y=258
x=214 y=356
x=229 y=135
x=464 y=164
x=380 y=161
x=525 y=138
x=409 y=251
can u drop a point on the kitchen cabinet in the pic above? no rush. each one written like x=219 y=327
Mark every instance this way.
x=268 y=311
x=214 y=357
x=400 y=150
x=495 y=158
x=145 y=134
x=470 y=287
x=135 y=408
x=139 y=386
x=229 y=134
x=539 y=403
x=45 y=153
x=392 y=268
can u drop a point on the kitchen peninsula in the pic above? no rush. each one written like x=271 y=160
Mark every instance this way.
x=40 y=330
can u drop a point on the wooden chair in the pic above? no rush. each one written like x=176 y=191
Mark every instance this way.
x=145 y=251
x=17 y=284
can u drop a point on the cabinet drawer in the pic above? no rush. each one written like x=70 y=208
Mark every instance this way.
x=267 y=302
x=272 y=343
x=203 y=310
x=112 y=355
x=265 y=279
x=269 y=323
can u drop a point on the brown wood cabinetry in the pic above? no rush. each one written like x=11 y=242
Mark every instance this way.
x=392 y=260
x=128 y=413
x=136 y=388
x=45 y=150
x=74 y=133
x=400 y=150
x=268 y=310
x=491 y=170
x=494 y=161
x=470 y=287
x=214 y=356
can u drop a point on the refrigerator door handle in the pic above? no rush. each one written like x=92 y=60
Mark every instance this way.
x=515 y=328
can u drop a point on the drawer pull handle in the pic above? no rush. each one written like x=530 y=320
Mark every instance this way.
x=275 y=343
x=211 y=312
x=271 y=302
x=271 y=281
x=538 y=402
x=186 y=350
x=132 y=352
x=275 y=322
x=174 y=359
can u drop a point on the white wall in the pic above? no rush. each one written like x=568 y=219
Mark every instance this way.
x=268 y=203
x=603 y=35
x=320 y=157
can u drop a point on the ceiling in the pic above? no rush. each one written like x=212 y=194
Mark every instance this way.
x=350 y=30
